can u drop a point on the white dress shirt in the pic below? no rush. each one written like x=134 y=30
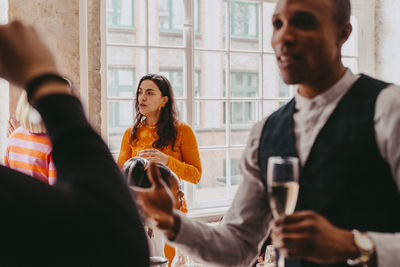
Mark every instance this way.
x=236 y=241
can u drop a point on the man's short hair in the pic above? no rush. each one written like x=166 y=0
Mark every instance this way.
x=136 y=175
x=342 y=11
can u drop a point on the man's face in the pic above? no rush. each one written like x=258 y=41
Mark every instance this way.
x=306 y=40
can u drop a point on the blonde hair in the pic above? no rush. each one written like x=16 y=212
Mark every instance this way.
x=28 y=116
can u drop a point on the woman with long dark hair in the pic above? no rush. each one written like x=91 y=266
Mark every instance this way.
x=158 y=135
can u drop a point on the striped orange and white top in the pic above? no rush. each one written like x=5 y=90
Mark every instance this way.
x=31 y=154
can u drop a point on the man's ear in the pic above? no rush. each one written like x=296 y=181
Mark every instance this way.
x=344 y=33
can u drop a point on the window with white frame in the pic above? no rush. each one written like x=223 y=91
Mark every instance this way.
x=222 y=69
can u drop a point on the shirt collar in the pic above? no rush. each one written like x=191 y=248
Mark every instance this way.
x=335 y=92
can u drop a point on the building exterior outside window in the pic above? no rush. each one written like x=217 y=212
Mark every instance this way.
x=224 y=80
x=244 y=19
x=120 y=13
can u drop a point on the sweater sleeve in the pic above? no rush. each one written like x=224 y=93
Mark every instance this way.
x=189 y=169
x=126 y=151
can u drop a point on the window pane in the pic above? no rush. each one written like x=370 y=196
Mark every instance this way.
x=127 y=57
x=238 y=19
x=125 y=68
x=196 y=82
x=164 y=14
x=273 y=83
x=211 y=78
x=244 y=84
x=181 y=110
x=120 y=117
x=210 y=25
x=350 y=47
x=169 y=63
x=177 y=15
x=212 y=185
x=126 y=18
x=210 y=123
x=175 y=77
x=120 y=82
x=271 y=106
x=236 y=176
x=350 y=63
x=166 y=29
x=120 y=13
x=252 y=14
x=122 y=36
x=244 y=112
x=110 y=12
x=244 y=25
x=243 y=117
x=268 y=9
x=123 y=25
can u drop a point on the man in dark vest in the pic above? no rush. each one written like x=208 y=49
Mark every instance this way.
x=344 y=128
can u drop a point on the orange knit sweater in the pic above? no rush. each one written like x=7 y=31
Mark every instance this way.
x=184 y=161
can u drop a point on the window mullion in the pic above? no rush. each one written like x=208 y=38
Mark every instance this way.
x=115 y=12
x=147 y=36
x=228 y=75
x=188 y=37
x=189 y=59
x=261 y=46
x=170 y=15
x=228 y=174
x=228 y=102
x=246 y=20
x=104 y=70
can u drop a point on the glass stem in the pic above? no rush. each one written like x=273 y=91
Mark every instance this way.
x=281 y=260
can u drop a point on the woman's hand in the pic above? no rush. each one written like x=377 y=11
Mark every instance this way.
x=154 y=155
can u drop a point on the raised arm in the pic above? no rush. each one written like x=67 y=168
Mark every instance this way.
x=95 y=218
x=235 y=242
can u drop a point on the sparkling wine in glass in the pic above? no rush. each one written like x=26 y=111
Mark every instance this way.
x=283 y=188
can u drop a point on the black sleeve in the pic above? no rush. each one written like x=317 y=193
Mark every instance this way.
x=88 y=216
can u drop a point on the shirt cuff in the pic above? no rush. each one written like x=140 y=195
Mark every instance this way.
x=387 y=247
x=184 y=221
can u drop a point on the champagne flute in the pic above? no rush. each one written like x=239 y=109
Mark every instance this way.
x=283 y=188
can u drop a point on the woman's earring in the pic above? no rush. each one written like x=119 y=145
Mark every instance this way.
x=160 y=107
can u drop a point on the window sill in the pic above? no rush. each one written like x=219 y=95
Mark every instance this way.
x=208 y=215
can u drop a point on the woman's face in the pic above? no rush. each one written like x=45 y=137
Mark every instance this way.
x=150 y=98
